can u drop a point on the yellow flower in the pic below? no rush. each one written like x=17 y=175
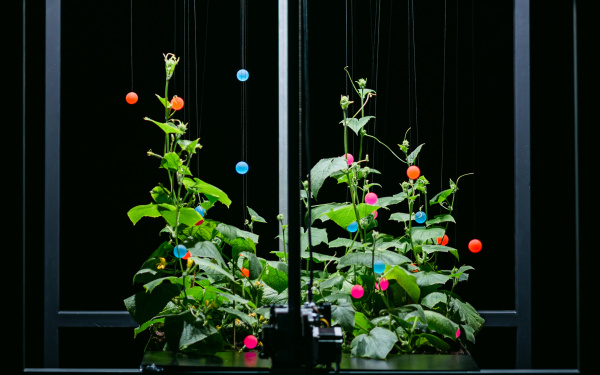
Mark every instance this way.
x=218 y=327
x=252 y=314
x=190 y=263
x=238 y=322
x=162 y=263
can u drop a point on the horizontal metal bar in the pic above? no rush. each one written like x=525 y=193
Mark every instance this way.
x=95 y=319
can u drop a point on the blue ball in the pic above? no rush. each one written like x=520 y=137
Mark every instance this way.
x=179 y=251
x=378 y=267
x=242 y=75
x=241 y=167
x=420 y=217
x=200 y=210
x=352 y=227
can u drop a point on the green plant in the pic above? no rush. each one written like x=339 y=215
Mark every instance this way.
x=203 y=286
x=409 y=304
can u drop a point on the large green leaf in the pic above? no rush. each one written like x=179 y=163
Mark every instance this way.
x=346 y=242
x=401 y=217
x=275 y=278
x=441 y=249
x=207 y=189
x=144 y=306
x=432 y=299
x=317 y=236
x=172 y=162
x=441 y=219
x=167 y=127
x=206 y=249
x=467 y=314
x=323 y=169
x=318 y=212
x=440 y=197
x=406 y=280
x=230 y=233
x=317 y=257
x=343 y=314
x=209 y=266
x=138 y=212
x=184 y=330
x=430 y=278
x=365 y=258
x=254 y=266
x=423 y=234
x=255 y=217
x=375 y=344
x=346 y=215
x=413 y=155
x=362 y=324
x=187 y=216
x=388 y=201
x=441 y=324
x=435 y=341
x=188 y=145
x=357 y=123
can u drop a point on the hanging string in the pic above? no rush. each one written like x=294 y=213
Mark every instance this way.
x=131 y=39
x=375 y=73
x=443 y=97
x=244 y=105
x=203 y=67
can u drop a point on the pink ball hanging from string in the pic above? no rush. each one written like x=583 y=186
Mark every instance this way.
x=250 y=342
x=357 y=291
x=371 y=198
x=349 y=158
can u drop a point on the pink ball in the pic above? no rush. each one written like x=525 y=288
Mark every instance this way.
x=371 y=198
x=349 y=158
x=458 y=333
x=382 y=285
x=374 y=214
x=357 y=291
x=250 y=342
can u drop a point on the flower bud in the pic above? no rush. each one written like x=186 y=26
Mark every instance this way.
x=280 y=217
x=362 y=83
x=345 y=102
x=170 y=64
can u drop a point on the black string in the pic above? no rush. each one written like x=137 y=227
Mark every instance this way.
x=443 y=97
x=131 y=38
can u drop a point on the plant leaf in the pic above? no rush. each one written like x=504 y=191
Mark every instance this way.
x=365 y=258
x=440 y=248
x=435 y=341
x=388 y=201
x=209 y=266
x=323 y=169
x=440 y=219
x=317 y=235
x=433 y=299
x=413 y=155
x=375 y=344
x=346 y=215
x=137 y=212
x=167 y=127
x=357 y=123
x=207 y=189
x=275 y=278
x=406 y=280
x=343 y=314
x=255 y=217
x=430 y=278
x=441 y=324
x=144 y=306
x=230 y=233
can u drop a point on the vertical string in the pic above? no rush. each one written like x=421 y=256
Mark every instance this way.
x=443 y=97
x=131 y=39
x=244 y=105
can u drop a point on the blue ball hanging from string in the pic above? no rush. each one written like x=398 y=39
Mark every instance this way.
x=352 y=227
x=420 y=217
x=378 y=267
x=241 y=167
x=179 y=251
x=200 y=210
x=242 y=75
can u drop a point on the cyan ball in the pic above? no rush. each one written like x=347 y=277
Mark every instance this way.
x=352 y=227
x=378 y=267
x=241 y=167
x=179 y=251
x=242 y=75
x=420 y=217
x=200 y=210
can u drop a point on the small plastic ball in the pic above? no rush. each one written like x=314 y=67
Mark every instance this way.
x=242 y=167
x=357 y=291
x=200 y=210
x=250 y=359
x=420 y=217
x=349 y=158
x=131 y=98
x=371 y=198
x=383 y=284
x=413 y=172
x=374 y=214
x=475 y=246
x=352 y=227
x=187 y=255
x=250 y=341
x=245 y=272
x=443 y=241
x=378 y=266
x=242 y=75
x=179 y=251
x=177 y=103
x=457 y=333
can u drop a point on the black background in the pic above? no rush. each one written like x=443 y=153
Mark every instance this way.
x=466 y=125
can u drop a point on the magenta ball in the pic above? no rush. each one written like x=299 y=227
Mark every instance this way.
x=357 y=291
x=349 y=158
x=383 y=284
x=457 y=333
x=250 y=341
x=374 y=214
x=371 y=198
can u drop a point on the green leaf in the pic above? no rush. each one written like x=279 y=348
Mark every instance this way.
x=440 y=219
x=241 y=244
x=187 y=216
x=346 y=242
x=440 y=197
x=343 y=314
x=255 y=217
x=160 y=195
x=254 y=266
x=275 y=278
x=334 y=280
x=430 y=278
x=145 y=326
x=357 y=124
x=172 y=162
x=244 y=317
x=406 y=280
x=188 y=145
x=362 y=324
x=154 y=283
x=435 y=341
x=467 y=314
x=346 y=215
x=206 y=249
x=318 y=257
x=208 y=266
x=137 y=212
x=237 y=299
x=207 y=189
x=413 y=155
x=423 y=234
x=365 y=258
x=317 y=236
x=376 y=344
x=323 y=169
x=230 y=233
x=388 y=201
x=184 y=330
x=401 y=217
x=433 y=299
x=441 y=324
x=144 y=306
x=318 y=212
x=167 y=127
x=440 y=248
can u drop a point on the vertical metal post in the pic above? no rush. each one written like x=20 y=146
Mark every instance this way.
x=283 y=110
x=52 y=183
x=522 y=173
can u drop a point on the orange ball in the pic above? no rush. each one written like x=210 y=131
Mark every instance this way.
x=245 y=272
x=443 y=241
x=475 y=246
x=413 y=172
x=176 y=103
x=131 y=98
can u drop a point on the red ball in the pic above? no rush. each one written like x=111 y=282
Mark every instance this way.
x=413 y=172
x=177 y=103
x=131 y=98
x=475 y=246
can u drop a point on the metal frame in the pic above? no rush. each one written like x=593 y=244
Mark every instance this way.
x=519 y=318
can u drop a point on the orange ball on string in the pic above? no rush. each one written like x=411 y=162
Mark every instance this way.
x=413 y=172
x=177 y=103
x=475 y=246
x=443 y=240
x=131 y=98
